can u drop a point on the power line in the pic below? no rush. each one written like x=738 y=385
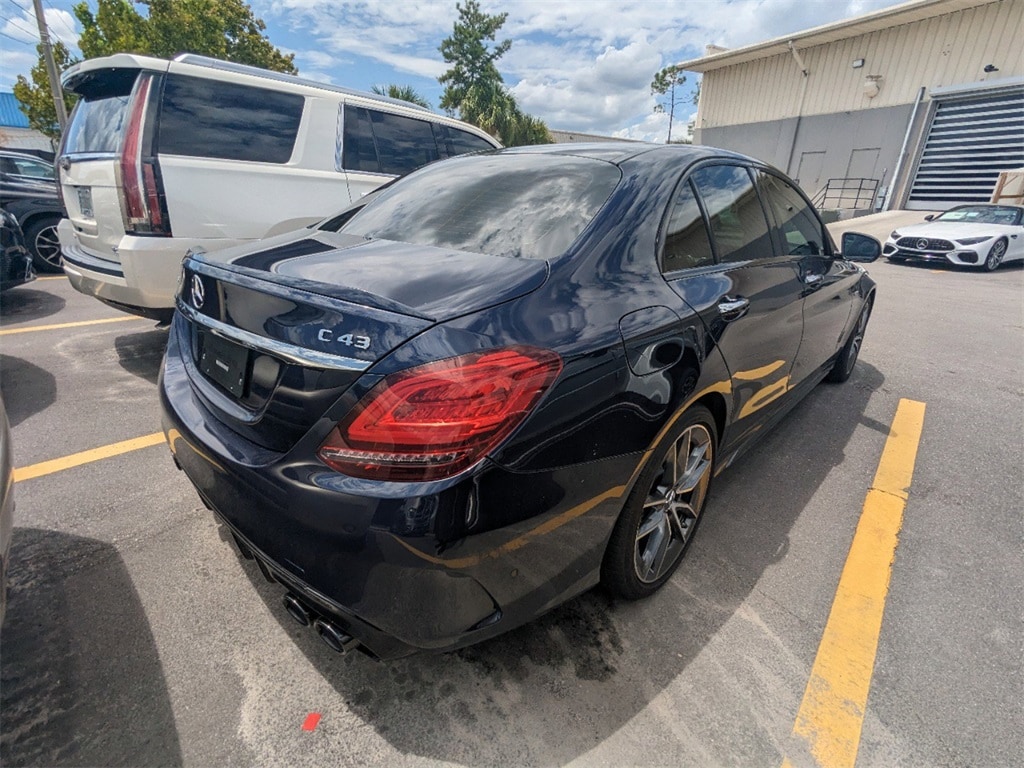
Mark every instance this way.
x=23 y=42
x=60 y=18
x=18 y=5
x=14 y=23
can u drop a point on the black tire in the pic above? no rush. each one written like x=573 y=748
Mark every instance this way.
x=661 y=514
x=995 y=256
x=42 y=242
x=844 y=364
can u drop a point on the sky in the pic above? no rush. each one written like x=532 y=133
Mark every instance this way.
x=579 y=65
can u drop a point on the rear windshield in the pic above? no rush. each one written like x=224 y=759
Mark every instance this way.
x=97 y=125
x=530 y=206
x=98 y=121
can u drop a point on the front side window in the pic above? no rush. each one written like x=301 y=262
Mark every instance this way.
x=686 y=237
x=200 y=117
x=800 y=230
x=505 y=205
x=738 y=224
x=33 y=169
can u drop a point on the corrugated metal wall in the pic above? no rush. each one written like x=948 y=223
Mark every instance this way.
x=945 y=50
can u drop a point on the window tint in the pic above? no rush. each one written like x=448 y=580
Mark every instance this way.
x=686 y=238
x=506 y=205
x=738 y=225
x=211 y=118
x=404 y=144
x=97 y=125
x=799 y=229
x=463 y=142
x=23 y=166
x=359 y=152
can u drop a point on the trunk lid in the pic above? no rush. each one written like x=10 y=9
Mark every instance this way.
x=276 y=335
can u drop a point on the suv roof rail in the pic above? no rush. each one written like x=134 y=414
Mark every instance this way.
x=245 y=69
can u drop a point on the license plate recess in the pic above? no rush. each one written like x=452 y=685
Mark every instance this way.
x=224 y=362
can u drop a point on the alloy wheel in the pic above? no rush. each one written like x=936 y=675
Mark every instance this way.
x=995 y=256
x=856 y=340
x=673 y=504
x=47 y=247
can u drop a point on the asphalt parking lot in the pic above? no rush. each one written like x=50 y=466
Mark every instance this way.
x=135 y=636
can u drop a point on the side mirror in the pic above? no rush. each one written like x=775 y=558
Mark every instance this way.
x=862 y=248
x=929 y=217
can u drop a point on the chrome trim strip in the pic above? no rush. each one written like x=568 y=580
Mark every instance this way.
x=290 y=352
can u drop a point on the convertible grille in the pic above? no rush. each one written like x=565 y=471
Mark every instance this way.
x=925 y=244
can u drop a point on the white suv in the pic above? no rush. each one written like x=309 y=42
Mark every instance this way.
x=163 y=157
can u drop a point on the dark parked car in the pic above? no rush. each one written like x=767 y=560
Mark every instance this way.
x=28 y=190
x=6 y=504
x=15 y=260
x=508 y=377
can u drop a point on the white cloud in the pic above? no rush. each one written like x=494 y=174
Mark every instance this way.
x=583 y=66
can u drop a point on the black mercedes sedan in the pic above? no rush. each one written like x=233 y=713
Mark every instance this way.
x=506 y=378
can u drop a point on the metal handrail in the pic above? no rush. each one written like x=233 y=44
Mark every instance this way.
x=846 y=193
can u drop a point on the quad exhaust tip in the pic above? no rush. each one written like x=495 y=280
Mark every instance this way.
x=334 y=637
x=296 y=609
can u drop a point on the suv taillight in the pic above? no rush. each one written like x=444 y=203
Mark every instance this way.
x=435 y=420
x=145 y=207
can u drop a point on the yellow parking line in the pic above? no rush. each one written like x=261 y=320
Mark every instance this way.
x=832 y=711
x=85 y=457
x=53 y=277
x=58 y=326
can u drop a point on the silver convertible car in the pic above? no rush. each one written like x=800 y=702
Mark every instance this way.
x=978 y=235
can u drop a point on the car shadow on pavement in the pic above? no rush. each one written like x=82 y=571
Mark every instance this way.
x=141 y=354
x=28 y=389
x=22 y=305
x=549 y=692
x=82 y=682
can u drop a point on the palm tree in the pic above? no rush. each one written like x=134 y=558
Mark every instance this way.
x=401 y=92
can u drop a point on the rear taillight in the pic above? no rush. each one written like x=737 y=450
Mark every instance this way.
x=438 y=419
x=145 y=207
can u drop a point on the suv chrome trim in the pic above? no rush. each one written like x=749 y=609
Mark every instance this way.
x=290 y=352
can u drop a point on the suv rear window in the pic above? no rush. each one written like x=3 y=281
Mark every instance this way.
x=98 y=120
x=211 y=118
x=97 y=125
x=531 y=206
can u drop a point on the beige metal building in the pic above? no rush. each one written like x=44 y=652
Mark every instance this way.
x=926 y=97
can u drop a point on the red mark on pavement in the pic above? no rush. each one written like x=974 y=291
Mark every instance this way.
x=311 y=721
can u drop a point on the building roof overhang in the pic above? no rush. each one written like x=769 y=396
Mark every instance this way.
x=904 y=13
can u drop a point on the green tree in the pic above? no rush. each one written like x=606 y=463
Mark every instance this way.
x=664 y=87
x=34 y=95
x=474 y=87
x=224 y=29
x=401 y=92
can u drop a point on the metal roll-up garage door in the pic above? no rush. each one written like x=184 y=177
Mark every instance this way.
x=970 y=141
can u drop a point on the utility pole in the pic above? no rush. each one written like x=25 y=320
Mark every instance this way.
x=51 y=66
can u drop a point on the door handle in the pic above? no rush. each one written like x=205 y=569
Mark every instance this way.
x=733 y=308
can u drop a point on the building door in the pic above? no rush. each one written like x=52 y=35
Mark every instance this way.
x=970 y=141
x=808 y=173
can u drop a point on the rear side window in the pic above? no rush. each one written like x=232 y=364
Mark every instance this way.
x=211 y=118
x=381 y=142
x=738 y=224
x=799 y=229
x=404 y=144
x=97 y=124
x=455 y=142
x=686 y=237
x=505 y=205
x=360 y=153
